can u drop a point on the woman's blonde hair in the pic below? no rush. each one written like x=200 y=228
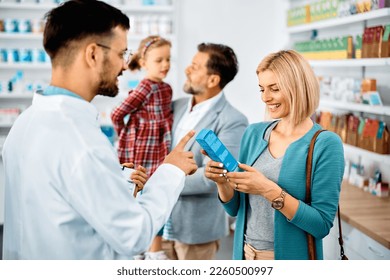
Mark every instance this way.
x=147 y=44
x=296 y=79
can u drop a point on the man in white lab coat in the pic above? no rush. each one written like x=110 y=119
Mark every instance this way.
x=65 y=195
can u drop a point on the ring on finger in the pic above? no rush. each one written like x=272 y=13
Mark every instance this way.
x=236 y=186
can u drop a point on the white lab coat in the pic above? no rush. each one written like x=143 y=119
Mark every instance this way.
x=65 y=196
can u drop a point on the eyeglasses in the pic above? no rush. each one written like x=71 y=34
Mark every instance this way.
x=125 y=55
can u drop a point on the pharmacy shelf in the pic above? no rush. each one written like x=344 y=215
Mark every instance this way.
x=348 y=106
x=351 y=62
x=383 y=159
x=15 y=96
x=147 y=9
x=22 y=36
x=25 y=66
x=27 y=6
x=124 y=8
x=39 y=36
x=381 y=13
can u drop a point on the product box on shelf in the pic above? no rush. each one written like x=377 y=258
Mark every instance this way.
x=367 y=135
x=377 y=43
x=372 y=98
x=352 y=127
x=380 y=189
x=342 y=127
x=385 y=50
x=358 y=46
x=372 y=42
x=367 y=41
x=382 y=142
x=373 y=136
x=368 y=85
x=363 y=6
x=382 y=3
x=8 y=115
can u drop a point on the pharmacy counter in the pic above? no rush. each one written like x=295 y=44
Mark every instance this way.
x=366 y=212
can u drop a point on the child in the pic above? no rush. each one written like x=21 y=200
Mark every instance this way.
x=146 y=138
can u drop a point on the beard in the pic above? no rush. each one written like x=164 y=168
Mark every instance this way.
x=188 y=88
x=107 y=87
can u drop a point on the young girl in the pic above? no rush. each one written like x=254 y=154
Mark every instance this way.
x=146 y=138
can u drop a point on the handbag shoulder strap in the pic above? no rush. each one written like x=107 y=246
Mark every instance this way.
x=311 y=246
x=309 y=165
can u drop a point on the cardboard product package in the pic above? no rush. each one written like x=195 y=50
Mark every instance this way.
x=358 y=46
x=377 y=41
x=382 y=3
x=325 y=119
x=333 y=123
x=367 y=41
x=368 y=135
x=368 y=85
x=342 y=127
x=352 y=127
x=382 y=141
x=385 y=50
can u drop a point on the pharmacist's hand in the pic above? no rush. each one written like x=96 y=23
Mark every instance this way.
x=183 y=159
x=139 y=176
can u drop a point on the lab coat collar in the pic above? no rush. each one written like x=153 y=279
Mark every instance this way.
x=76 y=106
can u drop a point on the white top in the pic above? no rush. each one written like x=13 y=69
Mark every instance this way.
x=65 y=195
x=192 y=116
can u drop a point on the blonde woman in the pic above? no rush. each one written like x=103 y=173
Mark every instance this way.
x=267 y=196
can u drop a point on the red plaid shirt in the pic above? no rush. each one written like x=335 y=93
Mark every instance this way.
x=146 y=138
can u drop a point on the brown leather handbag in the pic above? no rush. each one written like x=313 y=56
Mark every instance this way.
x=310 y=239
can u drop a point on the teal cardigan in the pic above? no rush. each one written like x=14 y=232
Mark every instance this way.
x=290 y=241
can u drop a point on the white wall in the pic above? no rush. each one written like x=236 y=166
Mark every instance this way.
x=252 y=28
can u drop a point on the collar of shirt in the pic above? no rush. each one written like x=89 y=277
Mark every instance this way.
x=204 y=106
x=53 y=90
x=192 y=116
x=78 y=107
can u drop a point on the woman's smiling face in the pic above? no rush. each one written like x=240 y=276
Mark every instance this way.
x=275 y=100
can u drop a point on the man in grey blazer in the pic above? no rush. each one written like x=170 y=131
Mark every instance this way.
x=198 y=219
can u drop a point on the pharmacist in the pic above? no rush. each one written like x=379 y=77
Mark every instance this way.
x=65 y=195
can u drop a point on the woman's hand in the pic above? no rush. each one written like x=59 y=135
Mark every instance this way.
x=215 y=172
x=252 y=181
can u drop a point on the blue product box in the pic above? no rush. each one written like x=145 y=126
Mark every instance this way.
x=216 y=149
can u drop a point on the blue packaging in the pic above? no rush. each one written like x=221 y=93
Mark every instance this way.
x=3 y=55
x=216 y=150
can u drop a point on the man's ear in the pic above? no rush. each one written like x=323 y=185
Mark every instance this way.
x=214 y=80
x=92 y=54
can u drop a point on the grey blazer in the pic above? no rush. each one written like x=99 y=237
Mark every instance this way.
x=198 y=216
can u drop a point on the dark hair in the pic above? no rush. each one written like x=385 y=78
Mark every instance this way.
x=75 y=20
x=149 y=43
x=222 y=61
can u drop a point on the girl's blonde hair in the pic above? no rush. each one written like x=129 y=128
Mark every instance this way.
x=296 y=79
x=147 y=44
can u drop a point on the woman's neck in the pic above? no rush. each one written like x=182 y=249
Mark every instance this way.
x=289 y=129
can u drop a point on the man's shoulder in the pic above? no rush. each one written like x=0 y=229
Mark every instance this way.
x=230 y=112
